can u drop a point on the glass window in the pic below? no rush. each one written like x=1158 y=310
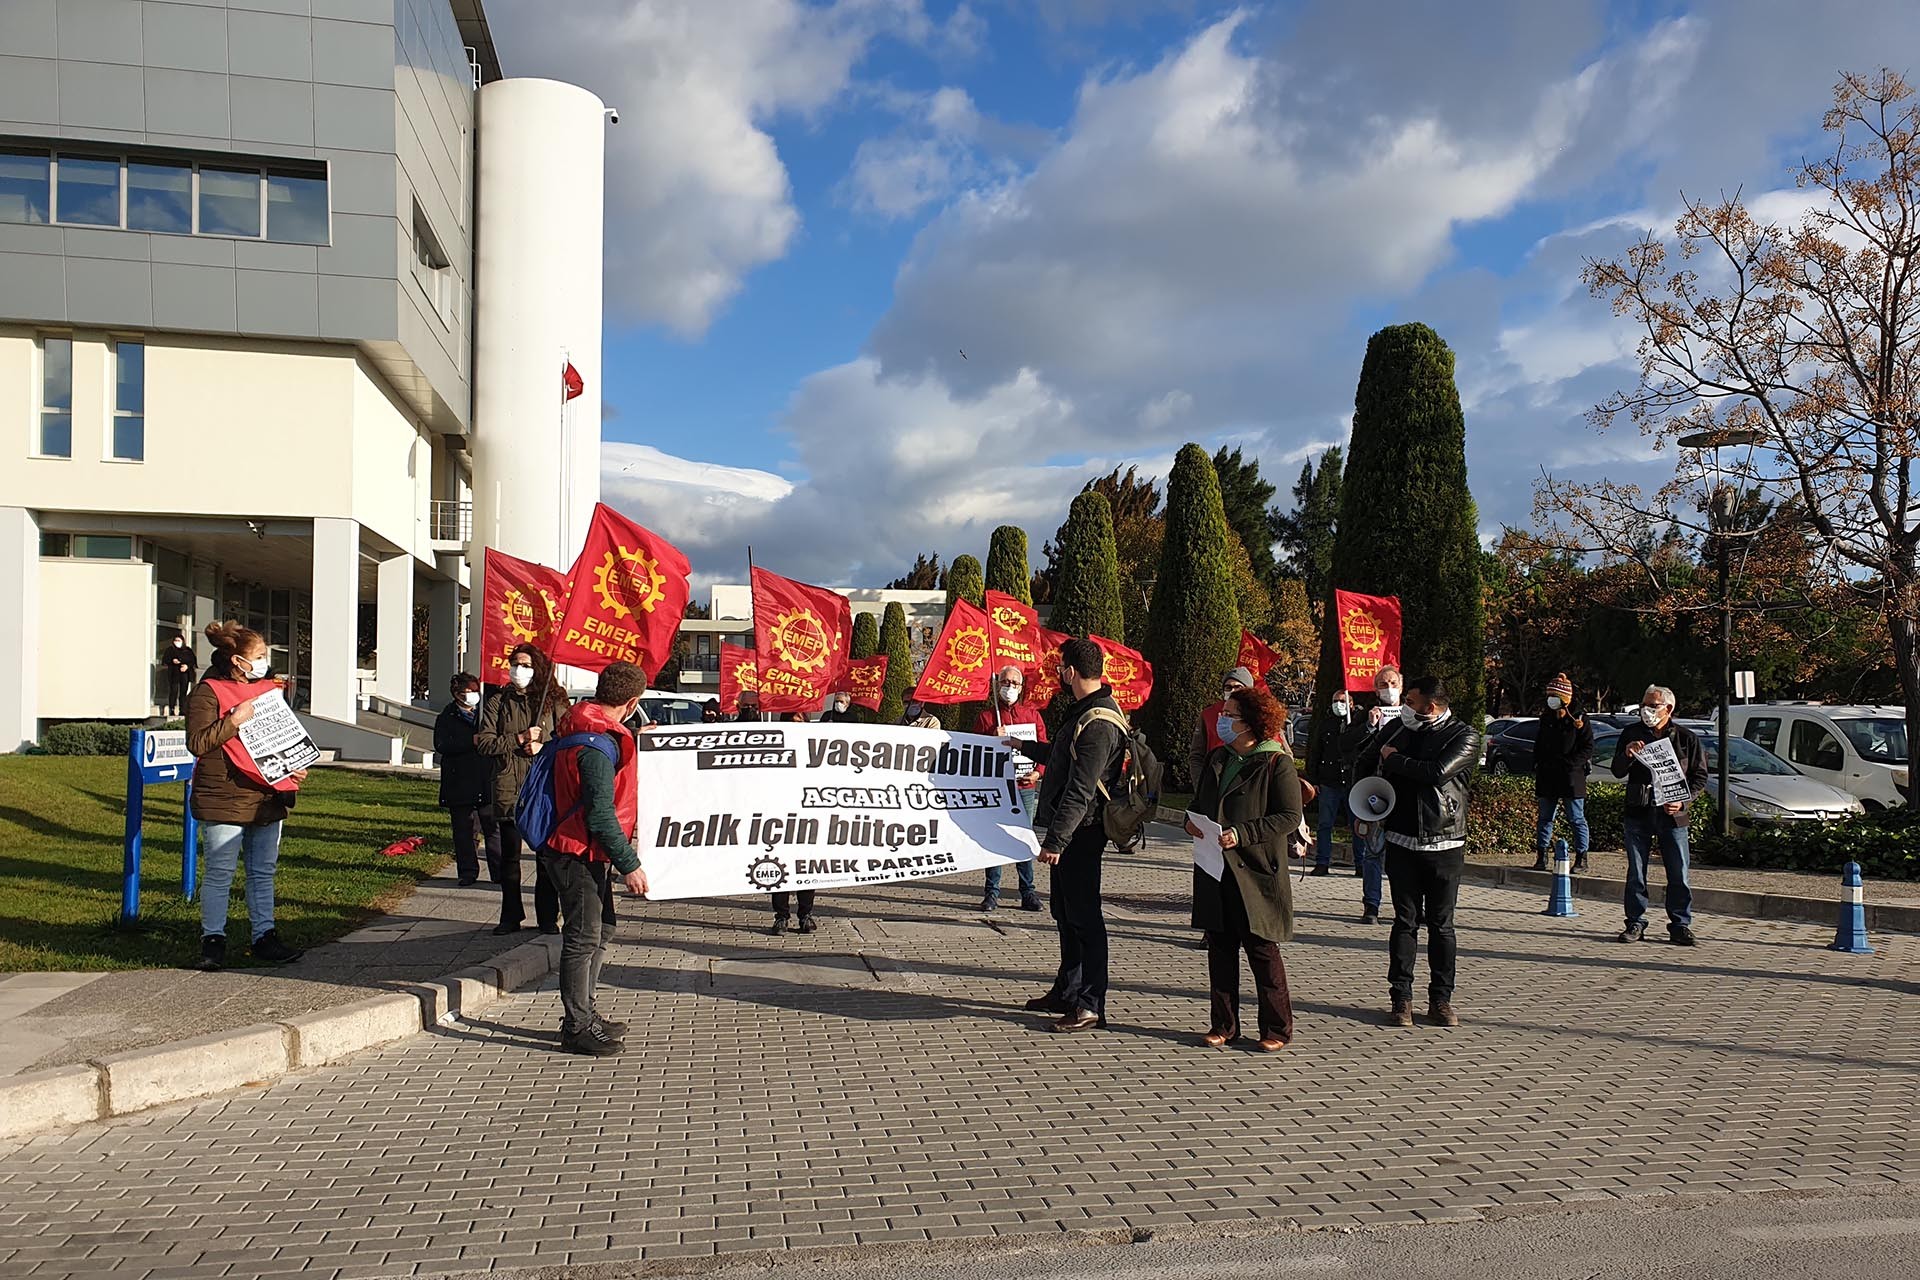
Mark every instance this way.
x=55 y=544
x=1811 y=745
x=25 y=184
x=230 y=202
x=1881 y=741
x=56 y=398
x=130 y=401
x=1764 y=731
x=1743 y=757
x=296 y=209
x=102 y=546
x=160 y=197
x=88 y=191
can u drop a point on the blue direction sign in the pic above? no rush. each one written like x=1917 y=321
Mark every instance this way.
x=156 y=756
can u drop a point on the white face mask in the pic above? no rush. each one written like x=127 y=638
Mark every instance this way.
x=1010 y=693
x=471 y=697
x=1555 y=704
x=179 y=643
x=1650 y=716
x=522 y=677
x=1389 y=697
x=259 y=667
x=1223 y=728
x=1409 y=717
x=1342 y=710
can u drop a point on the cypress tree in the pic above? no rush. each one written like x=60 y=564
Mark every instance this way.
x=894 y=643
x=965 y=581
x=1007 y=570
x=1086 y=581
x=1408 y=526
x=1193 y=629
x=866 y=643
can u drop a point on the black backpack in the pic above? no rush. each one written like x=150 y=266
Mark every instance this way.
x=1129 y=807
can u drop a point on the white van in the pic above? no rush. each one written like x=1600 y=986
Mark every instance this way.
x=1861 y=750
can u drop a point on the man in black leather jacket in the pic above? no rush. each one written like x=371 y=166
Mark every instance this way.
x=1428 y=757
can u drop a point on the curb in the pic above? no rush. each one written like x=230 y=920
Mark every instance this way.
x=119 y=1084
x=1881 y=917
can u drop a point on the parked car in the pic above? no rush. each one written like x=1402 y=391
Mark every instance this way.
x=1512 y=751
x=1861 y=750
x=673 y=708
x=1761 y=787
x=1496 y=728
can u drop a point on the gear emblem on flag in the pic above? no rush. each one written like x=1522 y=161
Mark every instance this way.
x=967 y=650
x=1363 y=631
x=628 y=582
x=800 y=640
x=766 y=872
x=522 y=612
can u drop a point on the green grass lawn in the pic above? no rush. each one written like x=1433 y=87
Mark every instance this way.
x=61 y=825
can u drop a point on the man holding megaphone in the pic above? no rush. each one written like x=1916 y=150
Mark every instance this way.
x=1427 y=759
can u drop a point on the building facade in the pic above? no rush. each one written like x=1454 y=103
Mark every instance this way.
x=239 y=314
x=732 y=623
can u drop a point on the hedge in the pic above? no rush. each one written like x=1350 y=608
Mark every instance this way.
x=1886 y=845
x=87 y=738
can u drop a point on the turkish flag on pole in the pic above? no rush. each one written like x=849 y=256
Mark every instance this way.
x=959 y=668
x=1043 y=681
x=571 y=383
x=802 y=634
x=520 y=603
x=629 y=593
x=739 y=673
x=867 y=680
x=1256 y=656
x=1015 y=630
x=1369 y=636
x=1130 y=674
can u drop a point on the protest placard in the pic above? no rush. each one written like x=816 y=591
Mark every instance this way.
x=276 y=740
x=1669 y=778
x=754 y=808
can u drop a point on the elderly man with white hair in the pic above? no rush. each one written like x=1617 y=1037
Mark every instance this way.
x=1010 y=708
x=1648 y=821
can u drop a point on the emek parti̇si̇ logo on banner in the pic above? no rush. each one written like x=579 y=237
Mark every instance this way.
x=530 y=615
x=800 y=640
x=967 y=649
x=1362 y=630
x=628 y=582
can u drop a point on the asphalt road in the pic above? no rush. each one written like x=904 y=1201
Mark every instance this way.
x=1778 y=1236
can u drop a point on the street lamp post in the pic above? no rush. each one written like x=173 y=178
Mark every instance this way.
x=1720 y=524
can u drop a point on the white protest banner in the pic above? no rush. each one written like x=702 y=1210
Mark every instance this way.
x=760 y=807
x=275 y=738
x=1669 y=779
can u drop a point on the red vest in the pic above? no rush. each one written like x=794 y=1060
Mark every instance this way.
x=571 y=836
x=1210 y=721
x=228 y=694
x=1021 y=712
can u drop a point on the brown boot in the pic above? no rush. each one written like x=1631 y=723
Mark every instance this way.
x=1440 y=1013
x=1402 y=1015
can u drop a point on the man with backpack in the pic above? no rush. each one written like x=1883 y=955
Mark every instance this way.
x=580 y=809
x=1084 y=766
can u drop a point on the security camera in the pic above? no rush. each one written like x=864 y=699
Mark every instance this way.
x=613 y=115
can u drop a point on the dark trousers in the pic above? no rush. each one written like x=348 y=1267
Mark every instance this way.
x=1223 y=970
x=1082 y=980
x=584 y=889
x=178 y=686
x=781 y=901
x=469 y=834
x=1426 y=885
x=546 y=897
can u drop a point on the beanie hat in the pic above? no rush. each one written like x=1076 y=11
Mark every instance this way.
x=1560 y=687
x=1240 y=675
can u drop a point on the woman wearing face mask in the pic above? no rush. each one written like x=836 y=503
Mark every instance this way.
x=839 y=710
x=514 y=725
x=1562 y=759
x=240 y=813
x=1250 y=788
x=466 y=780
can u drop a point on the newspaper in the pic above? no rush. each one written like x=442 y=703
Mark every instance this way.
x=1669 y=779
x=276 y=740
x=1023 y=768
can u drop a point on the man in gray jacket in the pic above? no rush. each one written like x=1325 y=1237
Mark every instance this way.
x=1083 y=759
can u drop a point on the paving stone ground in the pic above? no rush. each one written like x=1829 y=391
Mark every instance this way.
x=877 y=1081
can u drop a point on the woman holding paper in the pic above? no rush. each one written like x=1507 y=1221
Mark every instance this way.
x=1250 y=789
x=239 y=811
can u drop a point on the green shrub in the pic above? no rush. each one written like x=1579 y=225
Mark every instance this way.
x=1502 y=815
x=87 y=738
x=1886 y=845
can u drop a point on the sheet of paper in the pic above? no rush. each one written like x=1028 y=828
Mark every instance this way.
x=1022 y=766
x=1669 y=779
x=275 y=738
x=1207 y=854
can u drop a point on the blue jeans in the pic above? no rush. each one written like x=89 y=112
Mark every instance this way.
x=1576 y=818
x=1332 y=809
x=1027 y=892
x=1372 y=871
x=224 y=845
x=1641 y=830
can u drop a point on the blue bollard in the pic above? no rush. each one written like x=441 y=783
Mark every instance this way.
x=1851 y=933
x=1560 y=902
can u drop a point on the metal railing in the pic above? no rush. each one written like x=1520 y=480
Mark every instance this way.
x=450 y=521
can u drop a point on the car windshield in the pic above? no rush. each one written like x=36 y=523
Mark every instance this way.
x=1881 y=741
x=1744 y=757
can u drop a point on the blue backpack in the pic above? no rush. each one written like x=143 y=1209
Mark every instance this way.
x=537 y=811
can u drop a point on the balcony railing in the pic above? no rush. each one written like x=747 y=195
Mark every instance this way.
x=450 y=521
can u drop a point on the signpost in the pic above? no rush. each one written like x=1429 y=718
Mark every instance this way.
x=156 y=755
x=1743 y=686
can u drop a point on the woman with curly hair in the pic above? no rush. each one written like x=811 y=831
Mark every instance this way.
x=516 y=724
x=1250 y=788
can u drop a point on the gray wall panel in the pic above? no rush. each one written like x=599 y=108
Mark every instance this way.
x=359 y=307
x=106 y=291
x=278 y=302
x=188 y=103
x=186 y=37
x=279 y=112
x=275 y=257
x=29 y=90
x=375 y=11
x=189 y=297
x=196 y=251
x=91 y=242
x=364 y=182
x=352 y=53
x=34 y=285
x=19 y=238
x=99 y=31
x=275 y=45
x=363 y=245
x=300 y=7
x=98 y=95
x=353 y=119
x=29 y=28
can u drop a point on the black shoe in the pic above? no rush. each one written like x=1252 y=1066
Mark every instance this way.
x=549 y=929
x=807 y=925
x=1369 y=917
x=1320 y=871
x=268 y=947
x=1579 y=865
x=213 y=953
x=503 y=928
x=1540 y=863
x=780 y=924
x=1080 y=1020
x=468 y=883
x=1048 y=1003
x=1681 y=936
x=1029 y=904
x=988 y=904
x=615 y=1029
x=1633 y=932
x=594 y=1041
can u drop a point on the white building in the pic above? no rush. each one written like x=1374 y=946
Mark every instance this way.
x=732 y=623
x=284 y=302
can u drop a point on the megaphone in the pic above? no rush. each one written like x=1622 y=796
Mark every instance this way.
x=1371 y=800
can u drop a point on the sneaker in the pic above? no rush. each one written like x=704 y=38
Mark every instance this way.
x=1402 y=1012
x=268 y=947
x=807 y=925
x=988 y=904
x=1633 y=932
x=1029 y=904
x=595 y=1041
x=213 y=953
x=1321 y=871
x=1369 y=916
x=1579 y=864
x=1681 y=936
x=1540 y=862
x=780 y=925
x=617 y=1030
x=1440 y=1013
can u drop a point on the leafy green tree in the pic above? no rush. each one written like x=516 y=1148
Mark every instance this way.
x=1244 y=495
x=895 y=644
x=1133 y=501
x=926 y=575
x=1193 y=630
x=1306 y=534
x=1086 y=581
x=1007 y=570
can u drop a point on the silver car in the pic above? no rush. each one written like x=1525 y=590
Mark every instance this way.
x=1761 y=787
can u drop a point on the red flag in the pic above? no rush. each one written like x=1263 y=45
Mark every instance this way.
x=1130 y=674
x=629 y=593
x=867 y=680
x=801 y=633
x=1043 y=681
x=571 y=383
x=1015 y=629
x=959 y=668
x=739 y=673
x=520 y=603
x=1369 y=636
x=1256 y=656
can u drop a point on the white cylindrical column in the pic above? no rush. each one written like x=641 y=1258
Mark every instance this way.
x=541 y=177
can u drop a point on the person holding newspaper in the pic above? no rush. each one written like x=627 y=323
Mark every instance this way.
x=1013 y=716
x=239 y=811
x=1665 y=767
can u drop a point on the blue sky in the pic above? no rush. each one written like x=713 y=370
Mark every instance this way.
x=1145 y=222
